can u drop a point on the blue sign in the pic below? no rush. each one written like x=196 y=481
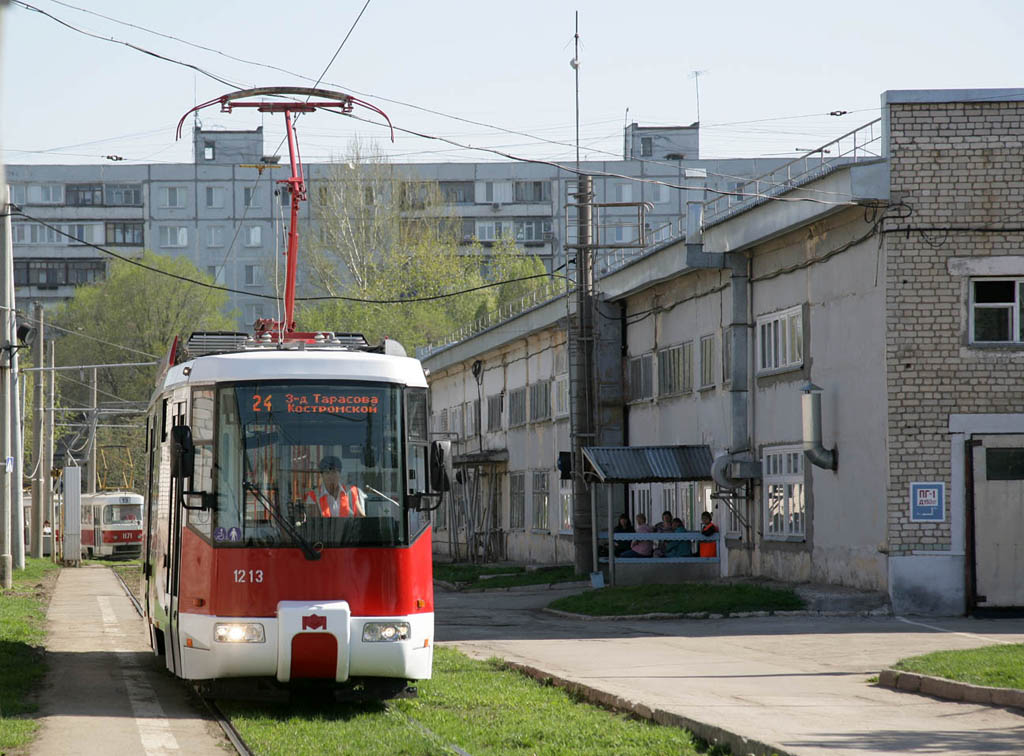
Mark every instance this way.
x=927 y=502
x=235 y=534
x=220 y=534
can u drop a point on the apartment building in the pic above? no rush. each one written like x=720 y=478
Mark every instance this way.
x=880 y=278
x=226 y=213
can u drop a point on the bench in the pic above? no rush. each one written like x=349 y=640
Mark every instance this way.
x=688 y=536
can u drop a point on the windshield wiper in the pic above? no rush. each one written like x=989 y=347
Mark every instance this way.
x=384 y=496
x=307 y=549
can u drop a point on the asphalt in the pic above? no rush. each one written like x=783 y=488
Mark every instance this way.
x=104 y=692
x=797 y=684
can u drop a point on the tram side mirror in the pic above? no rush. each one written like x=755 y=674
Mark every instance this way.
x=183 y=452
x=441 y=469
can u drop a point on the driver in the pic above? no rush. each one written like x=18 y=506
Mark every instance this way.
x=331 y=498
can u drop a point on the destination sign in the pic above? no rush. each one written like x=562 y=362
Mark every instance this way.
x=315 y=402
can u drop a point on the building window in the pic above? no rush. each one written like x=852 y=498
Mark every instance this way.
x=657 y=193
x=84 y=194
x=540 y=496
x=173 y=236
x=517 y=501
x=494 y=412
x=532 y=191
x=82 y=233
x=34 y=233
x=45 y=273
x=250 y=196
x=124 y=194
x=516 y=407
x=494 y=191
x=172 y=196
x=565 y=499
x=216 y=272
x=641 y=377
x=125 y=234
x=253 y=312
x=86 y=271
x=532 y=230
x=37 y=194
x=471 y=412
x=457 y=192
x=494 y=230
x=253 y=275
x=675 y=369
x=780 y=341
x=646 y=146
x=215 y=236
x=562 y=396
x=253 y=236
x=707 y=361
x=215 y=196
x=996 y=311
x=209 y=150
x=540 y=401
x=784 y=507
x=622 y=192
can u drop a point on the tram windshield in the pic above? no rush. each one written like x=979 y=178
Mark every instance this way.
x=122 y=514
x=309 y=464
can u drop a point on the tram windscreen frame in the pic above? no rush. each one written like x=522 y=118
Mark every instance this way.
x=271 y=440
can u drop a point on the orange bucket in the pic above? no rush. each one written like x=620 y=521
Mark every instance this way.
x=707 y=549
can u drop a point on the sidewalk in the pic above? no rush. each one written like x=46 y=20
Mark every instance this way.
x=799 y=685
x=105 y=692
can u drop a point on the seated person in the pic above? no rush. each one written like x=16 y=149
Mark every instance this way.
x=708 y=529
x=331 y=498
x=665 y=526
x=677 y=548
x=640 y=548
x=624 y=526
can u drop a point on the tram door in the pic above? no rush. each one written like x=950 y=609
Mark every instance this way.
x=998 y=543
x=174 y=554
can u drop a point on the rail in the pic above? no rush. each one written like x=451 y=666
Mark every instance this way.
x=686 y=536
x=863 y=143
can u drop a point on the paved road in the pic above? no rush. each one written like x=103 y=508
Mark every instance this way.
x=105 y=693
x=799 y=684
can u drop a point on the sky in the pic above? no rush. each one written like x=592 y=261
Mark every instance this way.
x=770 y=73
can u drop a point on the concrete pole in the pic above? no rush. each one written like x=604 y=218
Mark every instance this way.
x=91 y=483
x=6 y=272
x=38 y=488
x=18 y=515
x=583 y=532
x=48 y=452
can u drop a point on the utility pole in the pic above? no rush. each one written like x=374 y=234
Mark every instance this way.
x=38 y=488
x=6 y=312
x=90 y=484
x=581 y=380
x=48 y=454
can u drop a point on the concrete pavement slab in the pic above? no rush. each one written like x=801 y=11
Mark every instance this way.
x=799 y=684
x=105 y=692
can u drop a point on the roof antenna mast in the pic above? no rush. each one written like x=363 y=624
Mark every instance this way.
x=337 y=102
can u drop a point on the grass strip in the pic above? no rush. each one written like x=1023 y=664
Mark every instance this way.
x=684 y=598
x=998 y=666
x=479 y=707
x=22 y=659
x=472 y=576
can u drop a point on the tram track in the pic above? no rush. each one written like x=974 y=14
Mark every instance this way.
x=209 y=704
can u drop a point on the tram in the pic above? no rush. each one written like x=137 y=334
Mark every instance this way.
x=288 y=484
x=112 y=525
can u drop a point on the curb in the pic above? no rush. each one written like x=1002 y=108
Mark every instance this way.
x=881 y=612
x=950 y=690
x=710 y=733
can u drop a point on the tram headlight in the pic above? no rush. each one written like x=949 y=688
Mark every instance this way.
x=385 y=632
x=239 y=632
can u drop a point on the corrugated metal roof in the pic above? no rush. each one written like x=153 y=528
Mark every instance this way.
x=649 y=464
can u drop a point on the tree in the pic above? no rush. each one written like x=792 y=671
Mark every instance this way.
x=132 y=316
x=382 y=235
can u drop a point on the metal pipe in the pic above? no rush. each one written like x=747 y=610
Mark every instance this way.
x=815 y=452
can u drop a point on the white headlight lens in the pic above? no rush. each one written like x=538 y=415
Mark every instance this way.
x=238 y=632
x=385 y=632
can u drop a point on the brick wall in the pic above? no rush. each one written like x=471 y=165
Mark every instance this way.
x=956 y=166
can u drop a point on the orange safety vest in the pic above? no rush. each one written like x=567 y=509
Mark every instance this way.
x=350 y=501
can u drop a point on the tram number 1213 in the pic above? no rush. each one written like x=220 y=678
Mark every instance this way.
x=248 y=576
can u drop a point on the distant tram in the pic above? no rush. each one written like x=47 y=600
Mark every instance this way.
x=112 y=525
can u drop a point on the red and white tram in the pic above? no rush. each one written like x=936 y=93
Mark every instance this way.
x=288 y=477
x=112 y=524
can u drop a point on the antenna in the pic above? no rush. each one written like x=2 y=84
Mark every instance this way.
x=575 y=64
x=695 y=75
